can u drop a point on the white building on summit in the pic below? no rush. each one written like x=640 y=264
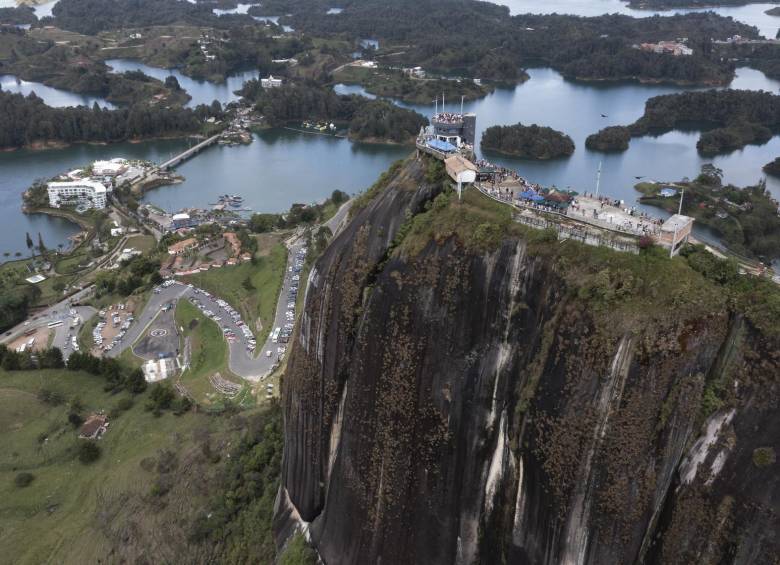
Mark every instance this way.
x=80 y=193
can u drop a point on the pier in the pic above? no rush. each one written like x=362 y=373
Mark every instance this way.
x=170 y=163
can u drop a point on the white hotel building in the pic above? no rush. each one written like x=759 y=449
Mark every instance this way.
x=82 y=192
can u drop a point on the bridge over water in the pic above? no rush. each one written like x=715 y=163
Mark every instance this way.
x=183 y=156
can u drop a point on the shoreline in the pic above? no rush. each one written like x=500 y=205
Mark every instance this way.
x=54 y=144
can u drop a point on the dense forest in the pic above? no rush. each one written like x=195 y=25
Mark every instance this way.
x=613 y=138
x=373 y=120
x=15 y=302
x=19 y=15
x=379 y=120
x=527 y=142
x=732 y=137
x=764 y=57
x=395 y=84
x=730 y=119
x=93 y=16
x=475 y=37
x=26 y=120
x=465 y=37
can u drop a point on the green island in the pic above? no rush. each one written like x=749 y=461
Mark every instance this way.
x=730 y=119
x=612 y=138
x=772 y=168
x=746 y=219
x=366 y=120
x=399 y=85
x=527 y=142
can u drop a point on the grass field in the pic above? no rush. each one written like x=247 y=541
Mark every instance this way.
x=56 y=518
x=143 y=243
x=208 y=355
x=257 y=302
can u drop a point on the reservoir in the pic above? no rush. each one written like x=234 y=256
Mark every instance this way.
x=201 y=91
x=751 y=14
x=281 y=167
x=52 y=96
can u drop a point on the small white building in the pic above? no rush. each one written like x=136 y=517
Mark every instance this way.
x=83 y=192
x=111 y=168
x=270 y=82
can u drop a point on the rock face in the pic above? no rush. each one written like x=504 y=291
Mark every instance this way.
x=463 y=407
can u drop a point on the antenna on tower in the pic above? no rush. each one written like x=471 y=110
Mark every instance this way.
x=682 y=195
x=437 y=104
x=461 y=105
x=598 y=180
x=442 y=101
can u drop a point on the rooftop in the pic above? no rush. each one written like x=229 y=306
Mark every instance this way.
x=676 y=223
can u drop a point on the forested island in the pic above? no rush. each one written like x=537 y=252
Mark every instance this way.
x=429 y=34
x=389 y=83
x=367 y=120
x=596 y=48
x=773 y=168
x=25 y=121
x=746 y=219
x=730 y=119
x=527 y=142
x=773 y=11
x=612 y=138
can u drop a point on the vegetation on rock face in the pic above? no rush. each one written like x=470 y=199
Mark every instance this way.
x=527 y=142
x=613 y=138
x=297 y=552
x=764 y=457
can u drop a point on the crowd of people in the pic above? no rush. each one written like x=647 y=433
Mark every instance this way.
x=448 y=118
x=577 y=208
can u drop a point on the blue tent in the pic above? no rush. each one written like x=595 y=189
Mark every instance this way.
x=440 y=145
x=528 y=194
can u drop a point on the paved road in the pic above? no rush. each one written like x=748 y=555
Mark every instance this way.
x=150 y=311
x=58 y=312
x=240 y=361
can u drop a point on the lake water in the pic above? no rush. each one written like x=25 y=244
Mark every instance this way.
x=576 y=109
x=52 y=96
x=201 y=91
x=282 y=167
x=751 y=14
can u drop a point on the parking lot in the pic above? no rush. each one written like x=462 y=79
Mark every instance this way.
x=161 y=338
x=246 y=358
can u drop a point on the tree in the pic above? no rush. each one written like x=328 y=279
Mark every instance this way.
x=75 y=419
x=135 y=381
x=30 y=244
x=41 y=246
x=88 y=452
x=22 y=480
